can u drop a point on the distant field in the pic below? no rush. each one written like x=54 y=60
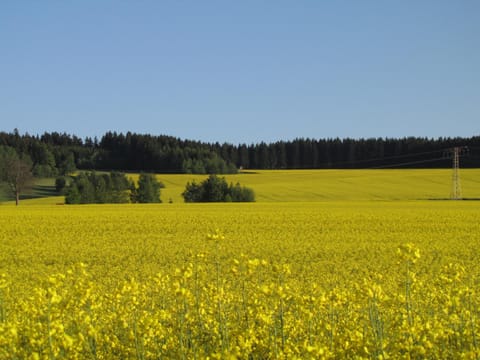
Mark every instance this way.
x=315 y=185
x=328 y=185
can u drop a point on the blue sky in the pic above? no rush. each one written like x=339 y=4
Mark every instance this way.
x=241 y=71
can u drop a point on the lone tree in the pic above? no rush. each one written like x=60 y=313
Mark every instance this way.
x=15 y=172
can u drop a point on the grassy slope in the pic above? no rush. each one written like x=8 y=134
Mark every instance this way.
x=314 y=185
x=42 y=192
x=327 y=185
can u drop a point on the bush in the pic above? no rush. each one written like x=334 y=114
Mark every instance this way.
x=215 y=189
x=240 y=193
x=60 y=184
x=193 y=192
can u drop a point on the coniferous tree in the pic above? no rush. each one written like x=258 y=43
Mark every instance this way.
x=88 y=188
x=140 y=152
x=148 y=190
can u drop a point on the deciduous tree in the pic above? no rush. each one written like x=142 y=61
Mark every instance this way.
x=15 y=172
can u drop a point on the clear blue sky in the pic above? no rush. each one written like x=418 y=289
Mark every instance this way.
x=241 y=71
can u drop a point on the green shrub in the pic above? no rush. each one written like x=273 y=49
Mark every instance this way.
x=216 y=189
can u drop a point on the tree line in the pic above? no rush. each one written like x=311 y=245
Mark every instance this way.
x=117 y=188
x=55 y=153
x=113 y=188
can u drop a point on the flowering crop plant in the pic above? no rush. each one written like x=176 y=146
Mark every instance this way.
x=304 y=280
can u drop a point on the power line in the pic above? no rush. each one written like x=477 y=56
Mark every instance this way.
x=407 y=163
x=354 y=162
x=446 y=153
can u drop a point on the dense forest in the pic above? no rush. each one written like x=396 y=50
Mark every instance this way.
x=55 y=153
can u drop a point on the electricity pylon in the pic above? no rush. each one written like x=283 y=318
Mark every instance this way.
x=455 y=153
x=456 y=188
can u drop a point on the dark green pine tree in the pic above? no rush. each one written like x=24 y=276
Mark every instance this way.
x=148 y=190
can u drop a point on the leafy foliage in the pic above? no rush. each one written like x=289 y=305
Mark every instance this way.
x=15 y=171
x=43 y=160
x=216 y=189
x=89 y=188
x=148 y=190
x=60 y=184
x=115 y=187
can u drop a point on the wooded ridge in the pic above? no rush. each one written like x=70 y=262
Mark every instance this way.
x=59 y=153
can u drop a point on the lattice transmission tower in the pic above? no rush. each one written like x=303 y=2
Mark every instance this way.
x=456 y=188
x=456 y=152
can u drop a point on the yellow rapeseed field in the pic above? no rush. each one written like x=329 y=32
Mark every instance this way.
x=334 y=185
x=325 y=185
x=360 y=278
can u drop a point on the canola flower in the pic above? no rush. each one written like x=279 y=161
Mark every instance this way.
x=260 y=312
x=283 y=282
